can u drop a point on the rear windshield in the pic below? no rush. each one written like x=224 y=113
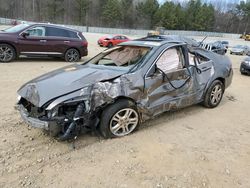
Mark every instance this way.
x=59 y=32
x=16 y=28
x=122 y=56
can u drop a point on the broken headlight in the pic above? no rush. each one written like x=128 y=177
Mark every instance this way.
x=52 y=113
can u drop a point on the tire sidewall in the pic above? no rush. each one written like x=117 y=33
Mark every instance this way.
x=67 y=52
x=13 y=51
x=207 y=101
x=110 y=111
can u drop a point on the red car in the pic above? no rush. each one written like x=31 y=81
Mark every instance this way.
x=112 y=40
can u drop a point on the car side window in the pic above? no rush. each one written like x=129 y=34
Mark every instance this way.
x=200 y=59
x=38 y=31
x=171 y=60
x=117 y=38
x=56 y=32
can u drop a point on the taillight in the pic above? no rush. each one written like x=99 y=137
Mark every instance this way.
x=85 y=43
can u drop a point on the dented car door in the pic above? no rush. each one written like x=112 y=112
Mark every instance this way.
x=170 y=83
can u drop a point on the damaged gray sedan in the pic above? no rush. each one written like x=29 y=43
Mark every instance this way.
x=122 y=87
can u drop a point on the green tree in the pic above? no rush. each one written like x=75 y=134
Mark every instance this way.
x=111 y=13
x=243 y=12
x=55 y=10
x=166 y=16
x=146 y=12
x=82 y=7
x=127 y=13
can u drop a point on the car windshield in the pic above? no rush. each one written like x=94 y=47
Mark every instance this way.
x=16 y=28
x=122 y=56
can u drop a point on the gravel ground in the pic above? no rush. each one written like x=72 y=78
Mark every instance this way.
x=192 y=147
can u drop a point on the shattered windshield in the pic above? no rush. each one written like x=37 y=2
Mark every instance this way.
x=122 y=56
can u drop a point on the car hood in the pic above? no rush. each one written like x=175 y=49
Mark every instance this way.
x=64 y=81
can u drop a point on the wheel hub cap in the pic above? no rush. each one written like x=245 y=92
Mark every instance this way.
x=124 y=122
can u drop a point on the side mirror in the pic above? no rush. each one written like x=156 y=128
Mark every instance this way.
x=25 y=34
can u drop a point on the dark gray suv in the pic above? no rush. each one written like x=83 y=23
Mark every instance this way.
x=124 y=86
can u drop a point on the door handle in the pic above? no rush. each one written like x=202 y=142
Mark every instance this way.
x=66 y=41
x=43 y=40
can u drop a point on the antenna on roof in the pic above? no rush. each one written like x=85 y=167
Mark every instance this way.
x=202 y=41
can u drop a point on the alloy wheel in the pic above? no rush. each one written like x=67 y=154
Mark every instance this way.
x=216 y=94
x=124 y=122
x=73 y=55
x=6 y=53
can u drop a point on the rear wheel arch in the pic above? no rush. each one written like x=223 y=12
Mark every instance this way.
x=72 y=48
x=222 y=80
x=206 y=99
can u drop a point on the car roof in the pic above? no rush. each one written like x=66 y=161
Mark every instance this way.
x=156 y=41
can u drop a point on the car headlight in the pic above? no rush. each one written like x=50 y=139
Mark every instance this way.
x=52 y=113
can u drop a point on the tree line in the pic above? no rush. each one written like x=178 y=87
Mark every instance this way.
x=136 y=14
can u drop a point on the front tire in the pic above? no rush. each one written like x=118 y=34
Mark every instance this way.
x=119 y=119
x=7 y=53
x=72 y=55
x=214 y=94
x=110 y=45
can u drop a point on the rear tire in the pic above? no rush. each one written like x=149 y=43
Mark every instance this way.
x=72 y=55
x=119 y=119
x=7 y=53
x=214 y=94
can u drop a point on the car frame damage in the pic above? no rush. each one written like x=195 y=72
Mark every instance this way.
x=93 y=92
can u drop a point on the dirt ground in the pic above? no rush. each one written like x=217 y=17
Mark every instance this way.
x=192 y=148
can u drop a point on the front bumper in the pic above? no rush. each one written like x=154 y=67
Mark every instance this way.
x=245 y=69
x=34 y=122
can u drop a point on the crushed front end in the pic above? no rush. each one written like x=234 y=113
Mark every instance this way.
x=64 y=120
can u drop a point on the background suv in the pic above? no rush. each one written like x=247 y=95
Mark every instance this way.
x=42 y=40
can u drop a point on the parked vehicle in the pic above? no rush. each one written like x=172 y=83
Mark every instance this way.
x=42 y=40
x=124 y=86
x=112 y=40
x=240 y=50
x=245 y=36
x=217 y=47
x=245 y=66
x=225 y=43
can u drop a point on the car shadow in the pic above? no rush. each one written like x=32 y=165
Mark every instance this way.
x=90 y=138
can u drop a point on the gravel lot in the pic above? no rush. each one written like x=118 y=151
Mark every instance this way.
x=192 y=147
